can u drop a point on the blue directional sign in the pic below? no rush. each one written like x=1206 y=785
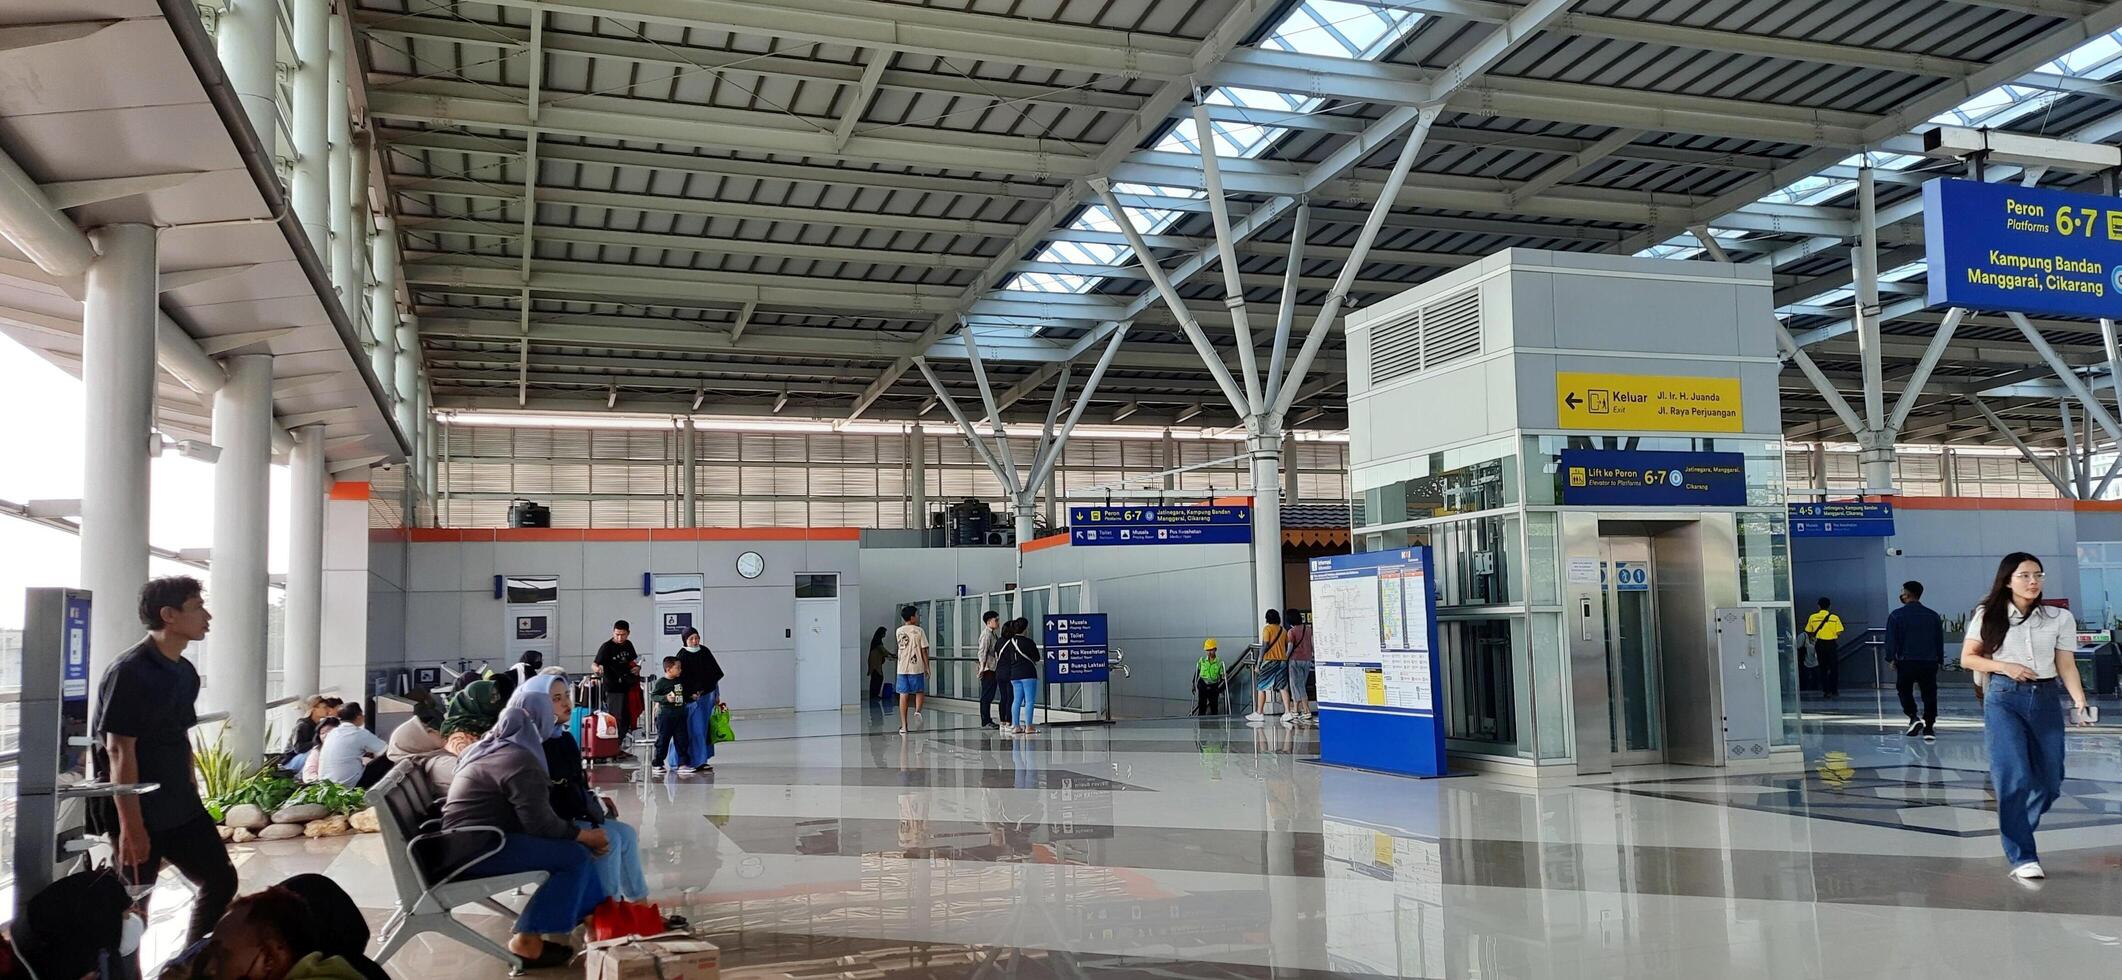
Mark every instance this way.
x=1646 y=478
x=1842 y=519
x=74 y=679
x=1153 y=525
x=2022 y=249
x=1076 y=650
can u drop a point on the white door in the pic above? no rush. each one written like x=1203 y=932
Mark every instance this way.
x=819 y=663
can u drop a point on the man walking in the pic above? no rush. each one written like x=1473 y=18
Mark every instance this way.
x=1825 y=630
x=913 y=665
x=144 y=715
x=1915 y=645
x=619 y=665
x=990 y=625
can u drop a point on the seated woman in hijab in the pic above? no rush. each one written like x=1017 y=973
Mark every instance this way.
x=502 y=782
x=415 y=740
x=473 y=711
x=620 y=868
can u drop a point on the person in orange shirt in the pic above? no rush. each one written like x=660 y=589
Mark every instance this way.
x=1274 y=667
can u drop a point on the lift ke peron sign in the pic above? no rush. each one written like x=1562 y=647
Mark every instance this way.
x=1647 y=403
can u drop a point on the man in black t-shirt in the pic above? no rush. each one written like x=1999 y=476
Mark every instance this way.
x=144 y=715
x=620 y=668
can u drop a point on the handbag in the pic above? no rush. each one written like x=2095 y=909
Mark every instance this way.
x=719 y=729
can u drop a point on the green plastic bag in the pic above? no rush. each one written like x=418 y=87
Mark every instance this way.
x=718 y=727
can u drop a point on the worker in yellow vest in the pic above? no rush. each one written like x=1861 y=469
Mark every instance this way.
x=1824 y=629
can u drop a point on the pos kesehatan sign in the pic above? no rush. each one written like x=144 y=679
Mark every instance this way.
x=2022 y=249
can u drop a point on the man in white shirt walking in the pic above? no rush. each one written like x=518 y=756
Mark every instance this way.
x=913 y=665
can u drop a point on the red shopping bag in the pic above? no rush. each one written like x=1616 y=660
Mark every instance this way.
x=616 y=919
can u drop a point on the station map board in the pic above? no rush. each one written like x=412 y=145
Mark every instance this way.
x=1374 y=639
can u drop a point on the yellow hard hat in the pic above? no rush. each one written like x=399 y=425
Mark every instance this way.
x=1208 y=644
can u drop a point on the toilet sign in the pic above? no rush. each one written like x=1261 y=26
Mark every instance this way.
x=1631 y=576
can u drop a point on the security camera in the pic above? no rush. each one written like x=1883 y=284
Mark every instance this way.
x=1893 y=552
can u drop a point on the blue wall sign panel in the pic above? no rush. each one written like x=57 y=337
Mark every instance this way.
x=1076 y=649
x=532 y=627
x=676 y=623
x=1644 y=478
x=1152 y=525
x=73 y=684
x=1842 y=519
x=1631 y=576
x=1374 y=639
x=2027 y=250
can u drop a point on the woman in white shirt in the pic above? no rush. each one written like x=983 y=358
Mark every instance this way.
x=2025 y=648
x=345 y=754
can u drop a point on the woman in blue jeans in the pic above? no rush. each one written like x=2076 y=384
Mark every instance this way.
x=2020 y=650
x=1017 y=660
x=501 y=782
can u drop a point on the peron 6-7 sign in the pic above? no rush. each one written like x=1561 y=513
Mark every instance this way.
x=2022 y=249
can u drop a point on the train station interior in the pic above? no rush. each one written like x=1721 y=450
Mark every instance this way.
x=1091 y=488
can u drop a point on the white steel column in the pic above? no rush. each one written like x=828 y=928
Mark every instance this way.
x=1267 y=519
x=689 y=479
x=340 y=131
x=247 y=39
x=408 y=374
x=1876 y=442
x=1289 y=466
x=361 y=228
x=235 y=667
x=383 y=305
x=431 y=453
x=917 y=462
x=299 y=659
x=118 y=384
x=311 y=181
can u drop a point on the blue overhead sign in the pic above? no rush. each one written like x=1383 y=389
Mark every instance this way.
x=1842 y=519
x=2022 y=249
x=1109 y=526
x=1076 y=650
x=1645 y=478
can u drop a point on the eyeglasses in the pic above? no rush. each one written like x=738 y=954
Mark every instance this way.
x=2029 y=576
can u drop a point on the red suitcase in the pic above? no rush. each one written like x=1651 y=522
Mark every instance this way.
x=600 y=737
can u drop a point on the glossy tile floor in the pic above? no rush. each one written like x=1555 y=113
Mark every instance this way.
x=1187 y=848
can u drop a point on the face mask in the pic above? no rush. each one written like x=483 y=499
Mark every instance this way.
x=692 y=648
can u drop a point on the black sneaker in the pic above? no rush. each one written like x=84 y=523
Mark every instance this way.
x=1930 y=732
x=1915 y=728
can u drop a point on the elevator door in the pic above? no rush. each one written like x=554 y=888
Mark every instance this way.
x=1635 y=702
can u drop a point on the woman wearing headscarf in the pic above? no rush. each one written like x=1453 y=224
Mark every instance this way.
x=877 y=655
x=413 y=741
x=701 y=677
x=473 y=710
x=620 y=868
x=502 y=783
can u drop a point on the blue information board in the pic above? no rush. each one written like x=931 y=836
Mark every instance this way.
x=2022 y=249
x=1842 y=519
x=1153 y=524
x=1646 y=478
x=1076 y=651
x=73 y=684
x=1374 y=642
x=677 y=623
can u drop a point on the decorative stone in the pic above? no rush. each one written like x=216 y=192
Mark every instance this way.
x=301 y=813
x=281 y=831
x=244 y=816
x=241 y=835
x=226 y=832
x=331 y=826
x=365 y=822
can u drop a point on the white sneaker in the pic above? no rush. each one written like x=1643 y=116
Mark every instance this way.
x=1007 y=730
x=1256 y=716
x=902 y=731
x=2029 y=871
x=659 y=770
x=1290 y=720
x=687 y=770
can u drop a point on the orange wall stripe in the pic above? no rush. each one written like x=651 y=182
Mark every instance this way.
x=1981 y=503
x=1230 y=502
x=435 y=535
x=347 y=490
x=1041 y=544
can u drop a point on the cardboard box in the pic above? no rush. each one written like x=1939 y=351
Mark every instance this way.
x=671 y=956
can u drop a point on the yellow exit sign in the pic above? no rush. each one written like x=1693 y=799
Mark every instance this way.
x=1648 y=403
